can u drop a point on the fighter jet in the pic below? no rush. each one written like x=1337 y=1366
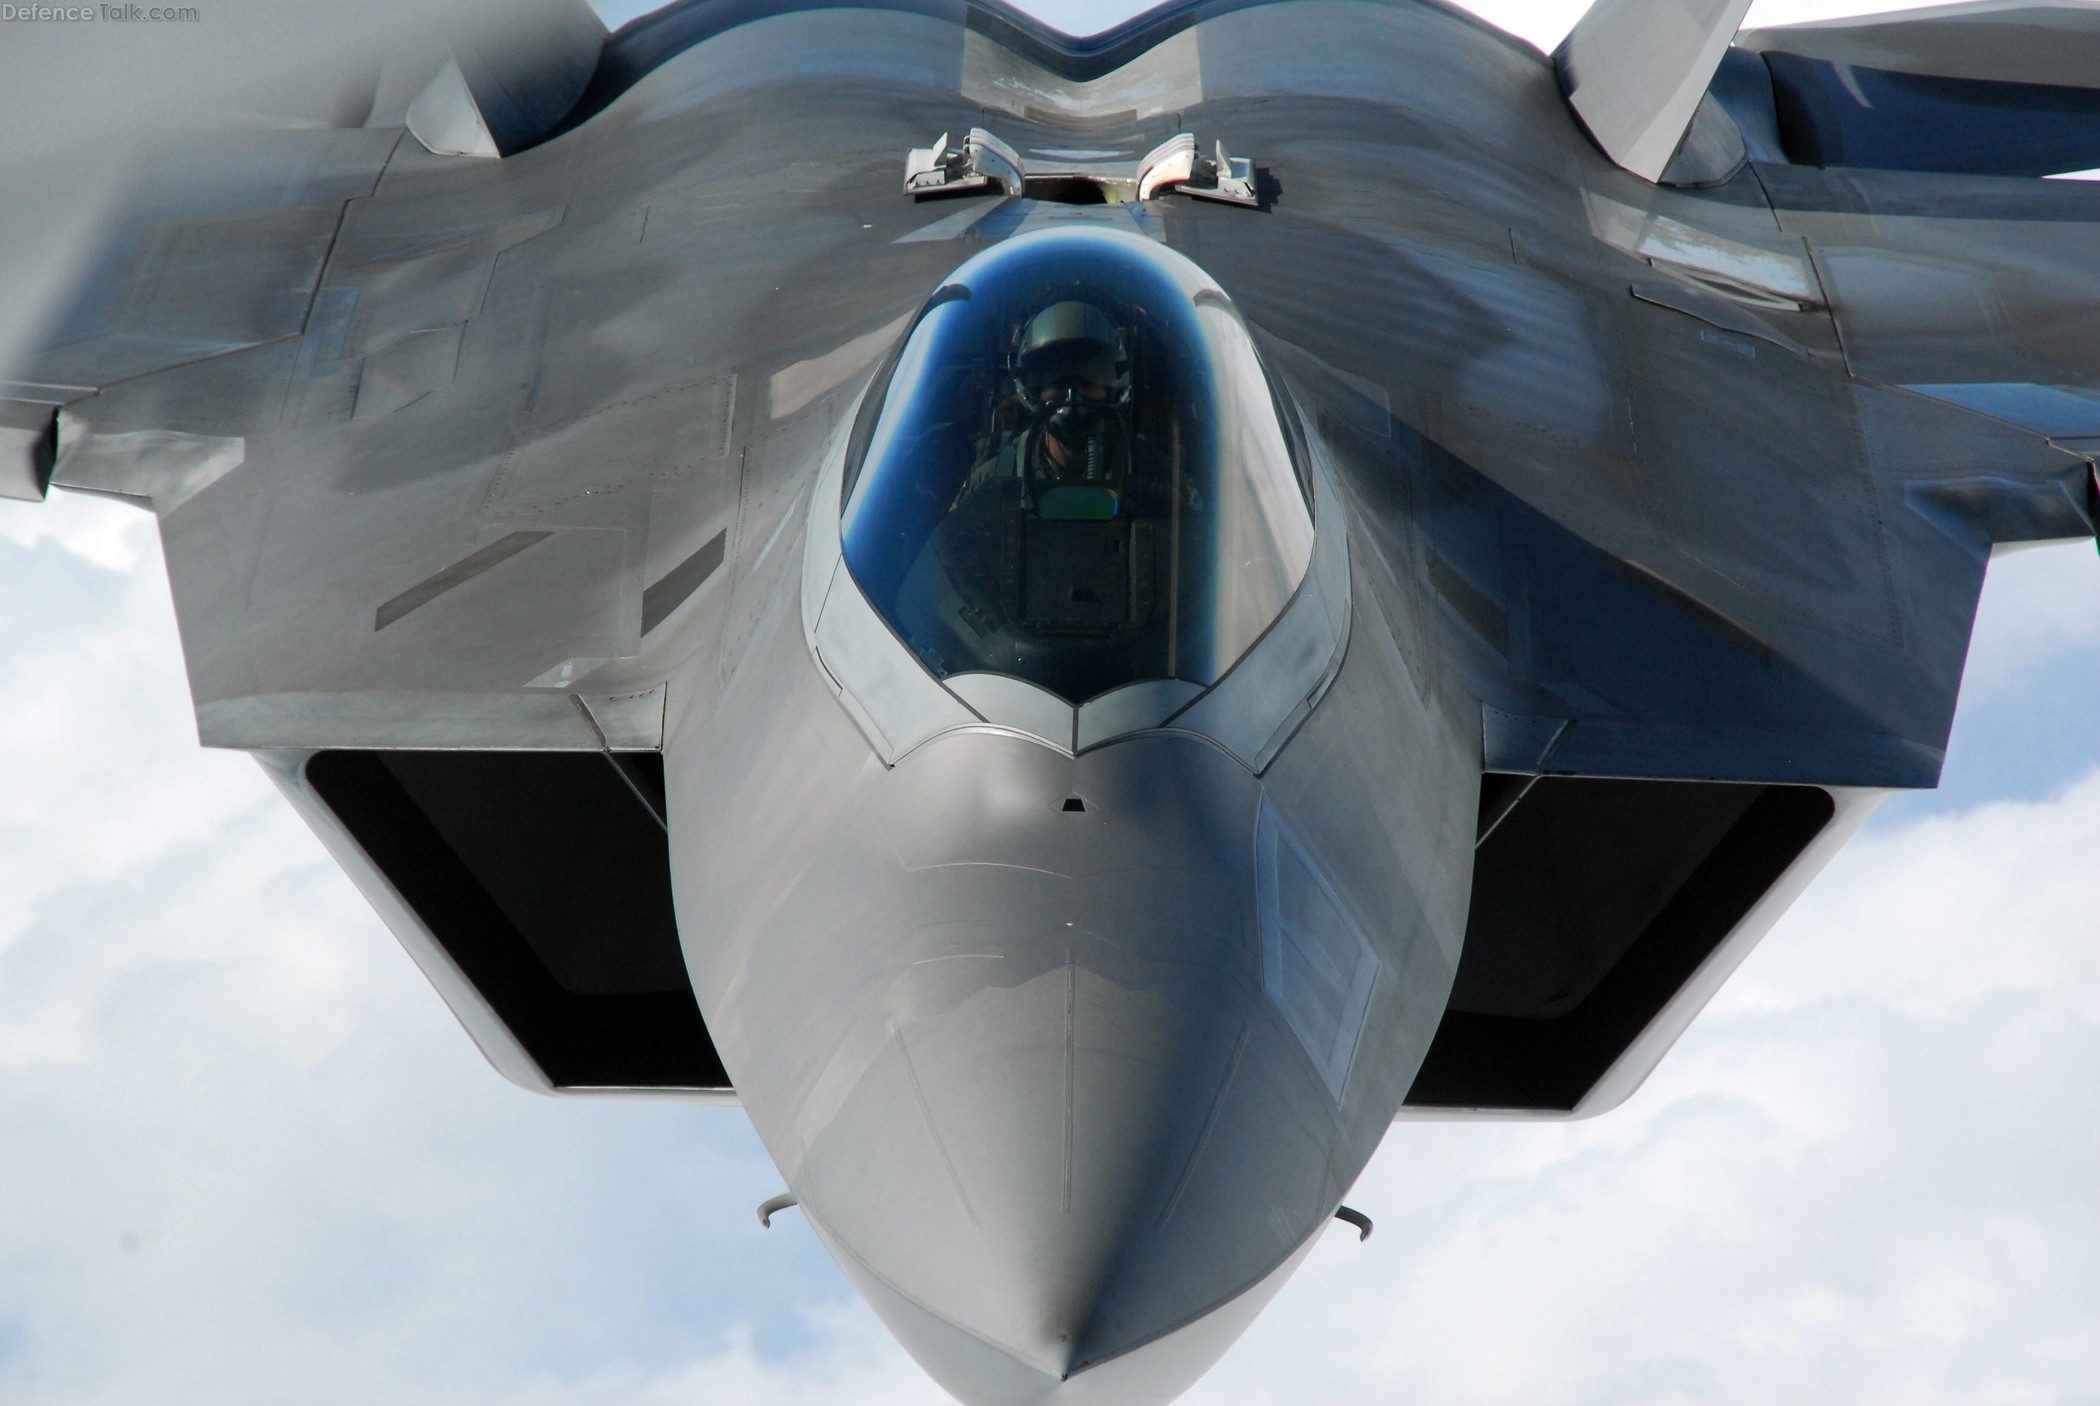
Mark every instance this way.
x=1079 y=625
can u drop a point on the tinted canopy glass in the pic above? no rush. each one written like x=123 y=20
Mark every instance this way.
x=1077 y=473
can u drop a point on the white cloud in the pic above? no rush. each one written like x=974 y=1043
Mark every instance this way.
x=2042 y=603
x=101 y=532
x=1941 y=913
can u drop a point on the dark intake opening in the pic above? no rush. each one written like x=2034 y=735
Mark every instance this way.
x=1065 y=190
x=546 y=876
x=1594 y=901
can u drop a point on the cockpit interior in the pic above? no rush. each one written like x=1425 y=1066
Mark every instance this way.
x=1076 y=471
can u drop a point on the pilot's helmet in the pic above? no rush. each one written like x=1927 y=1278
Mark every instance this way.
x=1070 y=344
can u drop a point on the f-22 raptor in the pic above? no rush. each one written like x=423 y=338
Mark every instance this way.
x=1081 y=624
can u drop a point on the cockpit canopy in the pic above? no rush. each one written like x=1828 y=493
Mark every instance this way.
x=1077 y=473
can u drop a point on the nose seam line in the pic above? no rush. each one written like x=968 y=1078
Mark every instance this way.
x=1071 y=1003
x=1210 y=1123
x=940 y=1144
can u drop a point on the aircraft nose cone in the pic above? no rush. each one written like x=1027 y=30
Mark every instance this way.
x=1075 y=1130
x=1066 y=1167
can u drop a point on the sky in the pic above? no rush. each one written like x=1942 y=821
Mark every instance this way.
x=246 y=1156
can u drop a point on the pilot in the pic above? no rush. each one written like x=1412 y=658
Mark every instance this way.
x=1069 y=447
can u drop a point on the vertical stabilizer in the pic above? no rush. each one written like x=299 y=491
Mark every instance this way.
x=516 y=69
x=1635 y=70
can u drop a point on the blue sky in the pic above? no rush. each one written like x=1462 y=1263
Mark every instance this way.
x=246 y=1156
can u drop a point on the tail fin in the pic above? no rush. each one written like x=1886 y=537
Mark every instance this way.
x=1635 y=72
x=514 y=72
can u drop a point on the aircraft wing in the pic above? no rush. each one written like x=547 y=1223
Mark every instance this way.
x=1674 y=576
x=430 y=437
x=1912 y=142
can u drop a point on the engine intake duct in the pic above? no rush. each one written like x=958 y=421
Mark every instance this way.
x=545 y=877
x=1595 y=901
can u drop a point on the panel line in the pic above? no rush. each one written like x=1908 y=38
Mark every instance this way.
x=457 y=574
